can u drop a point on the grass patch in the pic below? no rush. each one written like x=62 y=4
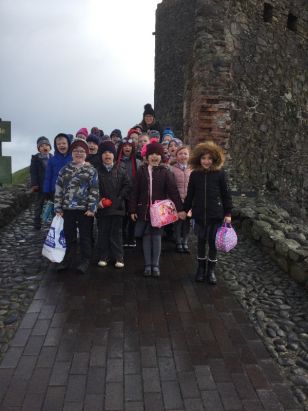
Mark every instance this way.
x=21 y=176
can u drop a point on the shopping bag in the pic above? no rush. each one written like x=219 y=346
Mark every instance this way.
x=48 y=212
x=163 y=212
x=226 y=238
x=55 y=246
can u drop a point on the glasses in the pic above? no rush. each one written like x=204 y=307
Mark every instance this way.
x=79 y=151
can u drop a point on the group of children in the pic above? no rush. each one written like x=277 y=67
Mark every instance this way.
x=115 y=180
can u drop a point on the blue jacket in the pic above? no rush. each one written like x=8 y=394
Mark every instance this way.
x=54 y=165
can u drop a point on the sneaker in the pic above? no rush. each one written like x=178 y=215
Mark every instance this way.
x=119 y=264
x=186 y=249
x=179 y=248
x=132 y=244
x=155 y=272
x=147 y=272
x=102 y=263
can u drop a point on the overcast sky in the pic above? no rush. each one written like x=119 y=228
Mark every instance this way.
x=72 y=64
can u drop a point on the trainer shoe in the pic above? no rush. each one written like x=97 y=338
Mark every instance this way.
x=102 y=263
x=119 y=264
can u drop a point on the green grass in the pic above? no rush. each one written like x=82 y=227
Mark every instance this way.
x=21 y=176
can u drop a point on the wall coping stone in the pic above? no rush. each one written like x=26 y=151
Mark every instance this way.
x=13 y=200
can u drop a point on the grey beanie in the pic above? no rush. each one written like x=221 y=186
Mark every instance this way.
x=42 y=140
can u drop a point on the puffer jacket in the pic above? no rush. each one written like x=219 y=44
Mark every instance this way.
x=115 y=185
x=208 y=196
x=163 y=187
x=181 y=179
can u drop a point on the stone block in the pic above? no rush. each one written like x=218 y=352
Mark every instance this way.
x=259 y=228
x=299 y=273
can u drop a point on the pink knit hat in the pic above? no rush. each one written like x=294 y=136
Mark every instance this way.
x=83 y=131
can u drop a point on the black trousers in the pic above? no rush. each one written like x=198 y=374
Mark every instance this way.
x=38 y=208
x=206 y=234
x=72 y=220
x=109 y=241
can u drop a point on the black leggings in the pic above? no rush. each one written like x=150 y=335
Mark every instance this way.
x=207 y=234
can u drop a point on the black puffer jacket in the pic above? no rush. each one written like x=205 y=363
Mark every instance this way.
x=163 y=187
x=208 y=196
x=116 y=186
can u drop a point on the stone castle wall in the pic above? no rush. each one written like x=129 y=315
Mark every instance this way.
x=240 y=78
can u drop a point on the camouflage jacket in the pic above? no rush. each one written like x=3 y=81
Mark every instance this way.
x=77 y=188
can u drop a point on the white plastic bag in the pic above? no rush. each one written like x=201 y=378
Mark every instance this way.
x=54 y=246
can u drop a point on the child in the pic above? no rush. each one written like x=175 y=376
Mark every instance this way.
x=181 y=173
x=116 y=137
x=127 y=160
x=114 y=187
x=167 y=135
x=173 y=145
x=209 y=198
x=93 y=143
x=153 y=182
x=82 y=133
x=61 y=157
x=37 y=172
x=142 y=141
x=76 y=199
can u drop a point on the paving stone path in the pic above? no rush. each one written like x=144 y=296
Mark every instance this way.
x=113 y=340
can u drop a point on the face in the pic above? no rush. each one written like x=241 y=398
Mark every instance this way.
x=44 y=148
x=206 y=161
x=167 y=138
x=79 y=155
x=154 y=159
x=149 y=119
x=107 y=158
x=172 y=148
x=114 y=138
x=81 y=136
x=182 y=156
x=62 y=145
x=127 y=149
x=92 y=147
x=134 y=137
x=144 y=139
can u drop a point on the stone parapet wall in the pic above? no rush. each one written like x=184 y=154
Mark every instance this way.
x=284 y=238
x=12 y=201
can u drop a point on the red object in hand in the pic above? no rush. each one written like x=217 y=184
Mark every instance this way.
x=35 y=189
x=105 y=202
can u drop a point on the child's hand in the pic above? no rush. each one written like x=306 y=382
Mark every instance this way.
x=89 y=213
x=227 y=220
x=134 y=216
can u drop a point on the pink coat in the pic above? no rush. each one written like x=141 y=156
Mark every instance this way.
x=181 y=179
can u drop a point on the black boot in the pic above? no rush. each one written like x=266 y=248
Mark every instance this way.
x=200 y=273
x=82 y=267
x=210 y=275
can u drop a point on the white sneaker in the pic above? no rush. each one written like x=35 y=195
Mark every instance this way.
x=102 y=263
x=119 y=264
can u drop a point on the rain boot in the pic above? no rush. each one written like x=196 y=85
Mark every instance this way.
x=200 y=273
x=210 y=275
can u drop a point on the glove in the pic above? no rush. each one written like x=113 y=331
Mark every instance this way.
x=105 y=202
x=35 y=189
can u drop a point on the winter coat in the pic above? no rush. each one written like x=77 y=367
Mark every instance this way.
x=38 y=170
x=181 y=179
x=127 y=164
x=76 y=188
x=54 y=165
x=94 y=160
x=116 y=186
x=208 y=196
x=163 y=187
x=155 y=126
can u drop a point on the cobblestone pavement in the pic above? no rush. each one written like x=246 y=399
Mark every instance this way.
x=113 y=340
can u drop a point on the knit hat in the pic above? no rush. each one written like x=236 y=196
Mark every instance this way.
x=93 y=138
x=168 y=132
x=154 y=148
x=116 y=132
x=83 y=131
x=148 y=109
x=42 y=140
x=132 y=131
x=96 y=131
x=177 y=142
x=154 y=134
x=79 y=142
x=106 y=146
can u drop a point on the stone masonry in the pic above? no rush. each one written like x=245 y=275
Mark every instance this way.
x=236 y=72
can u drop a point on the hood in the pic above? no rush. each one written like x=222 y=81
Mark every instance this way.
x=203 y=148
x=61 y=135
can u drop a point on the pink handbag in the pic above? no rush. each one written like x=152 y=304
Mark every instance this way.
x=163 y=212
x=226 y=238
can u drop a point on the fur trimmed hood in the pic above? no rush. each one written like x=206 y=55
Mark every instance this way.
x=208 y=147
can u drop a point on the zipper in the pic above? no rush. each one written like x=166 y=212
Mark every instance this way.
x=205 y=184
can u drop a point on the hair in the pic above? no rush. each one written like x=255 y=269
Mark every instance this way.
x=180 y=148
x=208 y=147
